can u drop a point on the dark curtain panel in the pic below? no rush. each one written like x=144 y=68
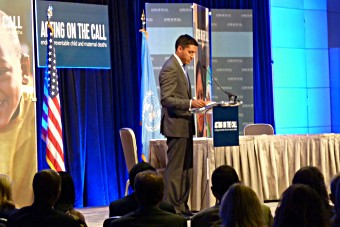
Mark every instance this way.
x=263 y=81
x=97 y=103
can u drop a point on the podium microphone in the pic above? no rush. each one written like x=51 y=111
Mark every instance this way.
x=230 y=95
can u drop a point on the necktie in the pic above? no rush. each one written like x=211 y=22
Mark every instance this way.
x=187 y=77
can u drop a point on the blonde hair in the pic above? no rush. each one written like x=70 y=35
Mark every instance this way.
x=6 y=201
x=241 y=207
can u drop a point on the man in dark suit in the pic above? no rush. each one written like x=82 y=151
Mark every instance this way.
x=46 y=188
x=149 y=188
x=129 y=203
x=222 y=179
x=177 y=122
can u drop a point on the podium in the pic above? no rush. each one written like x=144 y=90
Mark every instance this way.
x=225 y=122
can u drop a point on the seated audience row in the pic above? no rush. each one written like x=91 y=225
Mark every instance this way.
x=54 y=198
x=7 y=206
x=304 y=203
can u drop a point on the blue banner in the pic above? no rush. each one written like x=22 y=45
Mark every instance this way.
x=81 y=34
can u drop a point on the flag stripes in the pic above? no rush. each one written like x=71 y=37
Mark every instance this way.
x=51 y=122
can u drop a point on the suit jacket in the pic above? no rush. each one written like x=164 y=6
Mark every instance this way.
x=41 y=216
x=207 y=217
x=150 y=217
x=210 y=217
x=177 y=120
x=129 y=204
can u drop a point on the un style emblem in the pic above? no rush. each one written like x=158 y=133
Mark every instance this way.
x=151 y=112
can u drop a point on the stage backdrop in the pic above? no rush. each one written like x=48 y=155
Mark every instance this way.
x=94 y=155
x=18 y=156
x=232 y=59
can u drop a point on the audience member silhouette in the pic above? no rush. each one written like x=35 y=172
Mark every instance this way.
x=7 y=206
x=300 y=206
x=149 y=192
x=222 y=178
x=311 y=176
x=336 y=196
x=240 y=206
x=67 y=198
x=46 y=188
x=333 y=186
x=129 y=203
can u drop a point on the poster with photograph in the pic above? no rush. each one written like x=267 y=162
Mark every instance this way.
x=18 y=153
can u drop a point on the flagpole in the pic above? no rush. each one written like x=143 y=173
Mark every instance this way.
x=143 y=29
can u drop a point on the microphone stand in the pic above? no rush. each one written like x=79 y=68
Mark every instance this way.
x=230 y=95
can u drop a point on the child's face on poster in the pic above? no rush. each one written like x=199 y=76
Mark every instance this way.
x=11 y=78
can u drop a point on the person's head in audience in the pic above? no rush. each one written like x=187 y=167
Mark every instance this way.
x=333 y=187
x=337 y=199
x=46 y=187
x=241 y=207
x=66 y=200
x=67 y=196
x=6 y=201
x=312 y=176
x=139 y=167
x=300 y=206
x=149 y=188
x=222 y=178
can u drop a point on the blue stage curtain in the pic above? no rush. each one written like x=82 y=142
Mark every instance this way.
x=97 y=103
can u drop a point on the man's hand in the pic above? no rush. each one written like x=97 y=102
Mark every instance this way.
x=198 y=103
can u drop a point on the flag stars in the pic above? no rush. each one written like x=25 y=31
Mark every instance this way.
x=52 y=69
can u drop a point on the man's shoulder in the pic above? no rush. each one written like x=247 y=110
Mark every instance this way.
x=32 y=216
x=207 y=211
x=123 y=206
x=145 y=217
x=170 y=62
x=167 y=207
x=125 y=199
x=206 y=217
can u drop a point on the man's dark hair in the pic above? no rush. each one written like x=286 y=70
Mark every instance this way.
x=184 y=41
x=222 y=178
x=139 y=167
x=46 y=186
x=149 y=188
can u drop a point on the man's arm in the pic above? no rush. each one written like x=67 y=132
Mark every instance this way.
x=170 y=98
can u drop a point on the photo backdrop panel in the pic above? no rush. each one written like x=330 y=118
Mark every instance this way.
x=165 y=22
x=18 y=153
x=232 y=59
x=202 y=67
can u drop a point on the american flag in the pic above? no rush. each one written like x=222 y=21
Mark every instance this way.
x=51 y=118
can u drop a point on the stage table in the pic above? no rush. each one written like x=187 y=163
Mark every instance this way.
x=265 y=163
